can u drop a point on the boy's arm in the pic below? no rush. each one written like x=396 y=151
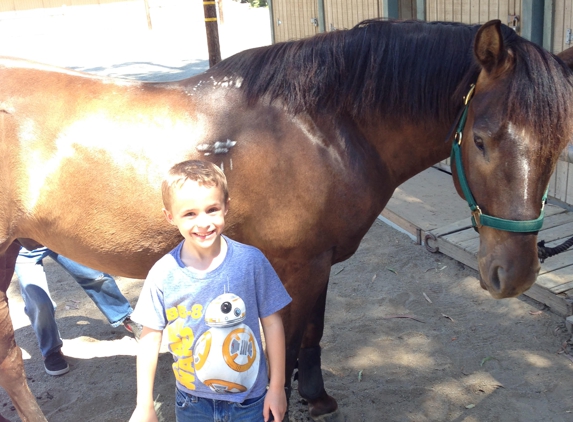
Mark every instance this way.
x=275 y=400
x=149 y=344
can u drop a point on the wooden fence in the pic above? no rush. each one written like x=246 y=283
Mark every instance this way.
x=474 y=11
x=18 y=5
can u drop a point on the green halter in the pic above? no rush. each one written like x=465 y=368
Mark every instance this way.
x=479 y=219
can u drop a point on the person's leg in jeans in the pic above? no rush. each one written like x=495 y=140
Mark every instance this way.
x=100 y=287
x=103 y=291
x=40 y=308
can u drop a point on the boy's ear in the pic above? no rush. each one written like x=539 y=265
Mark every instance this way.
x=168 y=216
x=227 y=205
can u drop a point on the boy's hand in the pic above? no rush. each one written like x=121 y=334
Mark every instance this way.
x=144 y=414
x=275 y=402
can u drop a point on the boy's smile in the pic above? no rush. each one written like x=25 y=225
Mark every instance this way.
x=199 y=213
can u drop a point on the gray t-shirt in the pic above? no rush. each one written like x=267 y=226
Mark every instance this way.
x=211 y=320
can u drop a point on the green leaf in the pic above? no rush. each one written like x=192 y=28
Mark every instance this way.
x=484 y=360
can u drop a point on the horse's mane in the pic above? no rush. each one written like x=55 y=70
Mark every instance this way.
x=407 y=69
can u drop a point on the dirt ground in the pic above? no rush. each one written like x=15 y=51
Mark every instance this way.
x=410 y=337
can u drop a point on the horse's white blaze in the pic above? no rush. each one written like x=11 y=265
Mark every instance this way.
x=522 y=142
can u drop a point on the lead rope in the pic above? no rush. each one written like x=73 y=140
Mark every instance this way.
x=544 y=252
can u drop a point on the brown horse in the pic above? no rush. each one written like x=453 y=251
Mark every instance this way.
x=314 y=136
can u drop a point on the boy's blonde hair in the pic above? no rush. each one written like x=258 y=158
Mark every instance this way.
x=202 y=172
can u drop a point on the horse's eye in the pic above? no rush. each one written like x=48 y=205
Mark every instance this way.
x=479 y=143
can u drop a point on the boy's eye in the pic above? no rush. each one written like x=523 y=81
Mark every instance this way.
x=212 y=210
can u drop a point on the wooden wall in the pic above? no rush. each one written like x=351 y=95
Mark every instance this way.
x=292 y=19
x=562 y=22
x=344 y=14
x=472 y=11
x=407 y=9
x=17 y=5
x=295 y=16
x=561 y=184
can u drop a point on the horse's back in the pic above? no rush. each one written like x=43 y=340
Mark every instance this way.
x=89 y=155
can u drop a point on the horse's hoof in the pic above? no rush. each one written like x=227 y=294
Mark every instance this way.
x=325 y=409
x=335 y=416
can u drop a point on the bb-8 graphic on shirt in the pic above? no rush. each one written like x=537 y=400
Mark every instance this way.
x=226 y=357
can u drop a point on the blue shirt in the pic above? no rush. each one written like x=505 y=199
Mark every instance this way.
x=211 y=320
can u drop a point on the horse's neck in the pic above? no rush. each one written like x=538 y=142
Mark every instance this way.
x=408 y=149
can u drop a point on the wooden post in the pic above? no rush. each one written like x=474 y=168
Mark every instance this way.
x=549 y=18
x=532 y=21
x=321 y=17
x=221 y=15
x=212 y=29
x=272 y=20
x=146 y=4
x=420 y=10
x=391 y=9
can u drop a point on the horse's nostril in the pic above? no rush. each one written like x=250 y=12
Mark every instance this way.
x=495 y=280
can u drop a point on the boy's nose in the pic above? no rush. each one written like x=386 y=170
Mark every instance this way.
x=202 y=220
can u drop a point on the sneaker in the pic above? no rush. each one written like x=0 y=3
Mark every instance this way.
x=55 y=364
x=133 y=327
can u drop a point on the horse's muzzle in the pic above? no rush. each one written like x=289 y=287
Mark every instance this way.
x=509 y=280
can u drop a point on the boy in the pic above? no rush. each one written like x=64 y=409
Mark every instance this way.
x=209 y=293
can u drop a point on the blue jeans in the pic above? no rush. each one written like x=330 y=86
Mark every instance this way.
x=41 y=309
x=190 y=408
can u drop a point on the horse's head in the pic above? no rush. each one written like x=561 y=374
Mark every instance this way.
x=517 y=124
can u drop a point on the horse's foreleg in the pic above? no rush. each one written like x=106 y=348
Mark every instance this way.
x=304 y=323
x=310 y=381
x=12 y=375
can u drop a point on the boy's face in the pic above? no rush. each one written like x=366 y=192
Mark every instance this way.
x=199 y=214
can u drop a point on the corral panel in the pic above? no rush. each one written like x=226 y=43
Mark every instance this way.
x=407 y=9
x=344 y=14
x=81 y=2
x=472 y=11
x=46 y=4
x=561 y=183
x=7 y=6
x=25 y=4
x=16 y=5
x=295 y=15
x=293 y=19
x=562 y=25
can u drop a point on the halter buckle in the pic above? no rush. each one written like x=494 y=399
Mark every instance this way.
x=470 y=94
x=476 y=214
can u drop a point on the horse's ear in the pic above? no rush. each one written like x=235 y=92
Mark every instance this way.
x=489 y=48
x=567 y=57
